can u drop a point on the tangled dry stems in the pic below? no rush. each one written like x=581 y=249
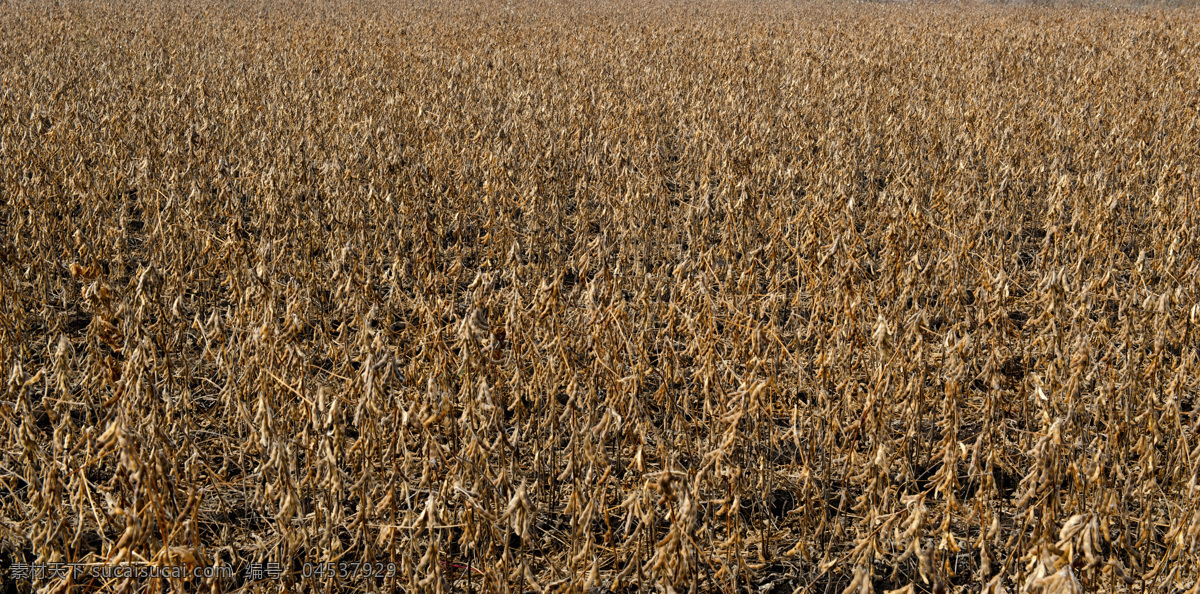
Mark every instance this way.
x=658 y=297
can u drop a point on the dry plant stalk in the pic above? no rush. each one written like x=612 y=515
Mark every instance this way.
x=601 y=298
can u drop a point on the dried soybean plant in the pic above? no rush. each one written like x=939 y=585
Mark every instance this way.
x=600 y=298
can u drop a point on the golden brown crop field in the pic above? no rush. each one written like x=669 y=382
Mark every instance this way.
x=599 y=298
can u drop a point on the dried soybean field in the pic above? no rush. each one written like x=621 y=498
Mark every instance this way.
x=599 y=298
